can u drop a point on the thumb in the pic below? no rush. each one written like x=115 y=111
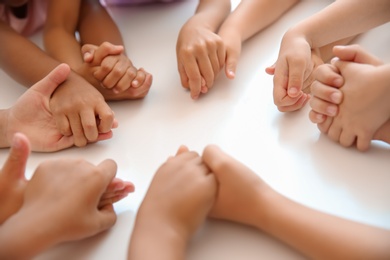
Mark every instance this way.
x=88 y=52
x=15 y=165
x=56 y=77
x=182 y=149
x=271 y=69
x=355 y=53
x=108 y=170
x=106 y=218
x=213 y=156
x=231 y=64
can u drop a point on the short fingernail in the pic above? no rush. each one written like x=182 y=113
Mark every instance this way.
x=87 y=55
x=293 y=91
x=336 y=97
x=231 y=73
x=135 y=83
x=338 y=82
x=331 y=110
x=16 y=143
x=320 y=117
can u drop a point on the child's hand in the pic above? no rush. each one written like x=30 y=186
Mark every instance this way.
x=200 y=57
x=233 y=46
x=116 y=190
x=365 y=107
x=180 y=195
x=326 y=95
x=242 y=195
x=80 y=111
x=12 y=180
x=69 y=191
x=32 y=116
x=113 y=73
x=292 y=69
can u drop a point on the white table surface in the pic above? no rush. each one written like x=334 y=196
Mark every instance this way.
x=286 y=150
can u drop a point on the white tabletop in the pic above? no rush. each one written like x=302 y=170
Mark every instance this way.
x=286 y=150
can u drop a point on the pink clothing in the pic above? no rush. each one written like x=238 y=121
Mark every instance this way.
x=133 y=2
x=35 y=19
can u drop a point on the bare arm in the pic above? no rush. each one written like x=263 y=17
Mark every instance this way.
x=17 y=54
x=343 y=19
x=251 y=17
x=322 y=236
x=315 y=234
x=210 y=14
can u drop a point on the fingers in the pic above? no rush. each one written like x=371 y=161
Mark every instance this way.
x=231 y=64
x=325 y=99
x=271 y=70
x=215 y=159
x=194 y=76
x=15 y=165
x=88 y=52
x=107 y=217
x=316 y=118
x=182 y=149
x=106 y=118
x=108 y=170
x=325 y=125
x=355 y=53
x=101 y=52
x=329 y=75
x=295 y=78
x=48 y=84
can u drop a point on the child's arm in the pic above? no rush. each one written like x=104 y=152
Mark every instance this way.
x=115 y=71
x=200 y=51
x=315 y=234
x=340 y=20
x=67 y=216
x=246 y=20
x=177 y=202
x=27 y=64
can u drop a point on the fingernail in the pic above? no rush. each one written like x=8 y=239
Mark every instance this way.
x=135 y=83
x=320 y=117
x=87 y=55
x=292 y=91
x=331 y=110
x=336 y=97
x=338 y=82
x=231 y=73
x=16 y=143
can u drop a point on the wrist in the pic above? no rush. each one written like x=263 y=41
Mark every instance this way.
x=13 y=235
x=268 y=202
x=161 y=234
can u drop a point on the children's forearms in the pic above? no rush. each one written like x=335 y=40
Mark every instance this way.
x=62 y=46
x=210 y=14
x=251 y=16
x=94 y=15
x=23 y=236
x=322 y=236
x=22 y=59
x=342 y=19
x=152 y=232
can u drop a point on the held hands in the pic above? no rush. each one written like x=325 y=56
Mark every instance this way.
x=48 y=183
x=181 y=194
x=292 y=73
x=358 y=110
x=200 y=57
x=112 y=73
x=37 y=118
x=242 y=196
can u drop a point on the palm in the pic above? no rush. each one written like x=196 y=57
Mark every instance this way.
x=37 y=123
